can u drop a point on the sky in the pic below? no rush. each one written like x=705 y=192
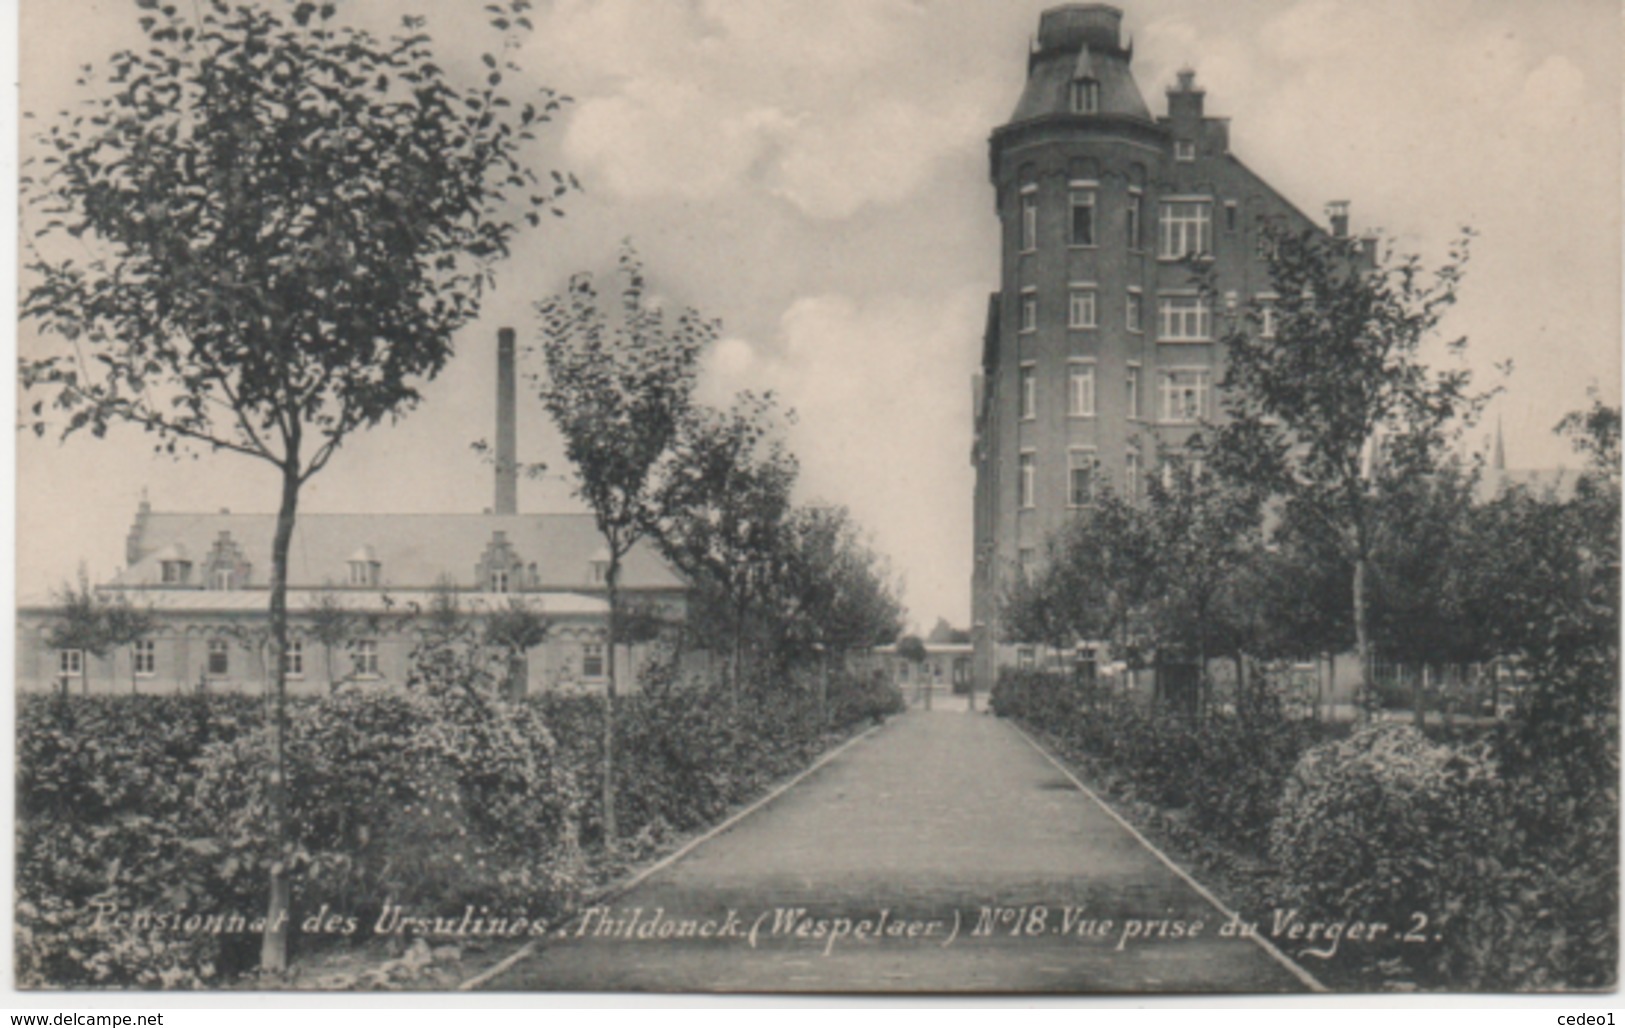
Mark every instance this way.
x=814 y=175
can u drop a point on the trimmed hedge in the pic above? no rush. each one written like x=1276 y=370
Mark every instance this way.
x=1226 y=770
x=1514 y=873
x=430 y=798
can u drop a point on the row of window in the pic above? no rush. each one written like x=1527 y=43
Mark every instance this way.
x=1185 y=394
x=1181 y=318
x=1184 y=225
x=363 y=659
x=362 y=573
x=1083 y=478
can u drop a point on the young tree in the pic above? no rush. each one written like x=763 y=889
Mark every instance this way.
x=912 y=649
x=727 y=510
x=1099 y=581
x=1336 y=393
x=831 y=593
x=618 y=388
x=95 y=625
x=1204 y=530
x=288 y=218
x=515 y=629
x=333 y=625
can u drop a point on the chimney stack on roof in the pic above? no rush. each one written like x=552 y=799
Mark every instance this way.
x=507 y=443
x=1185 y=100
x=1338 y=212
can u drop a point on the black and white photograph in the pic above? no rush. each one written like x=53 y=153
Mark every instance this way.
x=865 y=498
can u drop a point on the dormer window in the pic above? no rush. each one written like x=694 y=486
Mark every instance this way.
x=1184 y=151
x=364 y=568
x=499 y=581
x=174 y=565
x=600 y=567
x=223 y=580
x=1085 y=97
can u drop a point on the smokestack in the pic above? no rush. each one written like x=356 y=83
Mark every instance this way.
x=507 y=457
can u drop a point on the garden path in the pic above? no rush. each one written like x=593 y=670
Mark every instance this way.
x=938 y=823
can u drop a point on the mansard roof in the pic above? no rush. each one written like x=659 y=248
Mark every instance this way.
x=413 y=551
x=1049 y=85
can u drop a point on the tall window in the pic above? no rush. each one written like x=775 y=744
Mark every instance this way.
x=1081 y=307
x=1185 y=395
x=1025 y=480
x=1131 y=218
x=144 y=655
x=1266 y=317
x=1131 y=386
x=1080 y=390
x=1085 y=96
x=1132 y=314
x=1230 y=213
x=71 y=662
x=1186 y=318
x=219 y=658
x=1027 y=561
x=1029 y=310
x=1187 y=228
x=293 y=659
x=1029 y=219
x=592 y=660
x=1082 y=474
x=1131 y=476
x=1029 y=392
x=364 y=658
x=1083 y=216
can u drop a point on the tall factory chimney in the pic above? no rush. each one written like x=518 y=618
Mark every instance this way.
x=507 y=448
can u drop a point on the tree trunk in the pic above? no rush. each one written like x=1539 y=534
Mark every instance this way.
x=612 y=583
x=823 y=689
x=274 y=943
x=736 y=660
x=1362 y=638
x=1242 y=695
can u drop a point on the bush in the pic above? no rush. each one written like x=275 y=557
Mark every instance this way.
x=107 y=824
x=431 y=798
x=1227 y=770
x=428 y=800
x=1389 y=826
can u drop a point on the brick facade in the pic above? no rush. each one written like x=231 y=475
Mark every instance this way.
x=1102 y=209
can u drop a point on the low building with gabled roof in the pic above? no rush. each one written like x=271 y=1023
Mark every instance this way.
x=375 y=579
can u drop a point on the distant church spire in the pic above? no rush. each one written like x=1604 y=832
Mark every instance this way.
x=1498 y=459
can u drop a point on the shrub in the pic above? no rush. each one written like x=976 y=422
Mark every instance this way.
x=1389 y=826
x=434 y=797
x=106 y=825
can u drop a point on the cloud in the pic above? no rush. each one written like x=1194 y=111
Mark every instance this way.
x=834 y=166
x=669 y=138
x=881 y=392
x=801 y=102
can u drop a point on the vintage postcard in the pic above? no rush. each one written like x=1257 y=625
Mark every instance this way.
x=758 y=497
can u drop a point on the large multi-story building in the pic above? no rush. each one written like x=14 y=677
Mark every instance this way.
x=1099 y=347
